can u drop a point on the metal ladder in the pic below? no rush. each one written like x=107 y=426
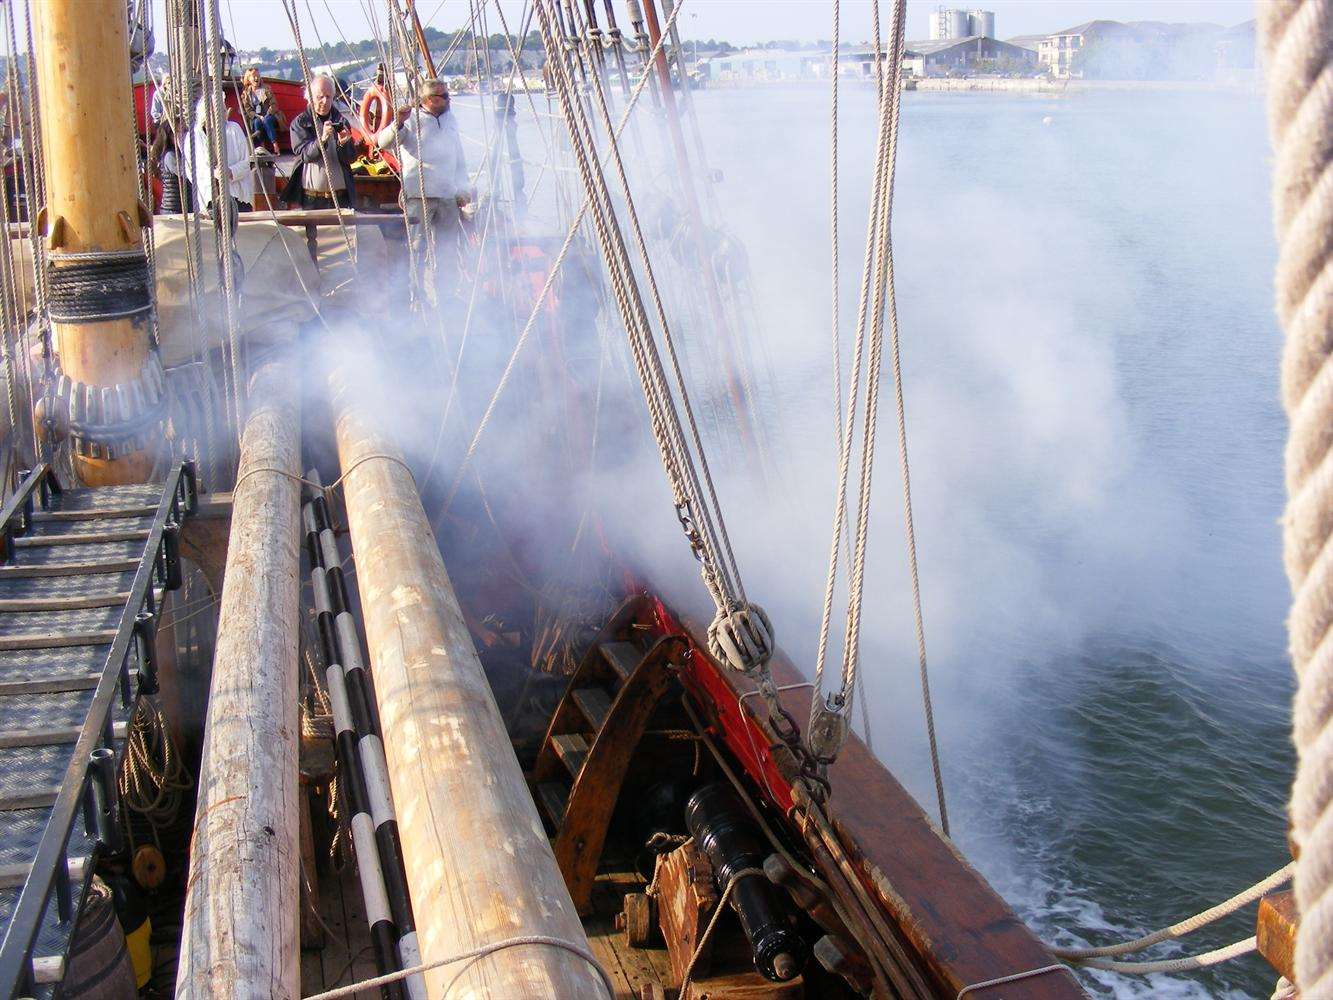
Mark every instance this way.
x=81 y=575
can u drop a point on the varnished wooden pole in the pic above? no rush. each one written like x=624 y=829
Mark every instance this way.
x=242 y=904
x=478 y=862
x=92 y=196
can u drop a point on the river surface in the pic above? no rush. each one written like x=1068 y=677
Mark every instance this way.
x=1090 y=358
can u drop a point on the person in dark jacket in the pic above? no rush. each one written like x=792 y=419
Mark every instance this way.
x=322 y=141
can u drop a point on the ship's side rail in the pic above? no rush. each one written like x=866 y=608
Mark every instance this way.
x=916 y=882
x=89 y=782
x=40 y=485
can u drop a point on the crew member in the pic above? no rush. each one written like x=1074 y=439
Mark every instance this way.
x=237 y=179
x=435 y=183
x=322 y=141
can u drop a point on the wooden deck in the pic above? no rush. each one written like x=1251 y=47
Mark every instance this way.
x=346 y=956
x=630 y=968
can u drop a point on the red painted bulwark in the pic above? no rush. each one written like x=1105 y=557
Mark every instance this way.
x=959 y=926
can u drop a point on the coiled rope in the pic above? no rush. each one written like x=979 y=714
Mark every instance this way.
x=1297 y=41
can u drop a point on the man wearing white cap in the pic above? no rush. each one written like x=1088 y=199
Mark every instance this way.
x=435 y=183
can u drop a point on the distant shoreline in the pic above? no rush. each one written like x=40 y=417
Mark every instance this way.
x=1015 y=85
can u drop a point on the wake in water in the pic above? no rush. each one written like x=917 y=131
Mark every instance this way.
x=1141 y=787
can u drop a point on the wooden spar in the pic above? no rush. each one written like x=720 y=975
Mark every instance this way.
x=92 y=196
x=240 y=934
x=735 y=387
x=421 y=37
x=478 y=861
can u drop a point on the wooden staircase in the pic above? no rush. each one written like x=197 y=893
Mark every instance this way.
x=81 y=575
x=593 y=735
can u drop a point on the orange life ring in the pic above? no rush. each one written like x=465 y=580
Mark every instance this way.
x=376 y=111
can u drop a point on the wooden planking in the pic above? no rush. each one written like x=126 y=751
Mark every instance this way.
x=73 y=602
x=48 y=737
x=95 y=513
x=81 y=538
x=572 y=749
x=346 y=955
x=13 y=876
x=31 y=798
x=71 y=569
x=50 y=685
x=594 y=703
x=623 y=657
x=553 y=797
x=631 y=968
x=57 y=640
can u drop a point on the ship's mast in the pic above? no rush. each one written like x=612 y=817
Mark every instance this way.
x=421 y=38
x=100 y=287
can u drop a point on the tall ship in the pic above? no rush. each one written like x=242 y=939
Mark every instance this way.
x=332 y=660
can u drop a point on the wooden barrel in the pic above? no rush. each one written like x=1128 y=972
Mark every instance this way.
x=99 y=965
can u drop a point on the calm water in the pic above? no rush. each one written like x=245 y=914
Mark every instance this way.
x=1091 y=369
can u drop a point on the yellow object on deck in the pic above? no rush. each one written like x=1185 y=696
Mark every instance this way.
x=374 y=168
x=141 y=953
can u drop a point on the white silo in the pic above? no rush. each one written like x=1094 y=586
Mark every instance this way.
x=957 y=21
x=981 y=22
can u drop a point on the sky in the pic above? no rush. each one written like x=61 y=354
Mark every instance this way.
x=260 y=23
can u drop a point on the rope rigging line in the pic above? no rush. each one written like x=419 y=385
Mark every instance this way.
x=215 y=116
x=1182 y=927
x=294 y=20
x=740 y=634
x=551 y=276
x=828 y=723
x=1297 y=44
x=471 y=957
x=836 y=338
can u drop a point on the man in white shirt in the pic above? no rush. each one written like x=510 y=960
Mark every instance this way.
x=435 y=183
x=238 y=174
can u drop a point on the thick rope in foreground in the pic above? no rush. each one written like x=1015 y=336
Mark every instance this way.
x=475 y=953
x=1297 y=41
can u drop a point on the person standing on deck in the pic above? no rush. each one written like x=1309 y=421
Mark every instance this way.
x=322 y=141
x=237 y=180
x=435 y=184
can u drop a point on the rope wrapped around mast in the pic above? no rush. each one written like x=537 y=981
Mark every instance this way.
x=1297 y=41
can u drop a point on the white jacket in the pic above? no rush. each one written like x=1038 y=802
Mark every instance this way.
x=431 y=153
x=242 y=185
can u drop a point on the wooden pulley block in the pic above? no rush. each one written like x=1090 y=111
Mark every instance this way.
x=148 y=866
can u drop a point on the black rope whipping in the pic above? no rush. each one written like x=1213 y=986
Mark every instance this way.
x=94 y=287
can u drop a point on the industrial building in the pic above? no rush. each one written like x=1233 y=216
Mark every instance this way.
x=951 y=23
x=968 y=56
